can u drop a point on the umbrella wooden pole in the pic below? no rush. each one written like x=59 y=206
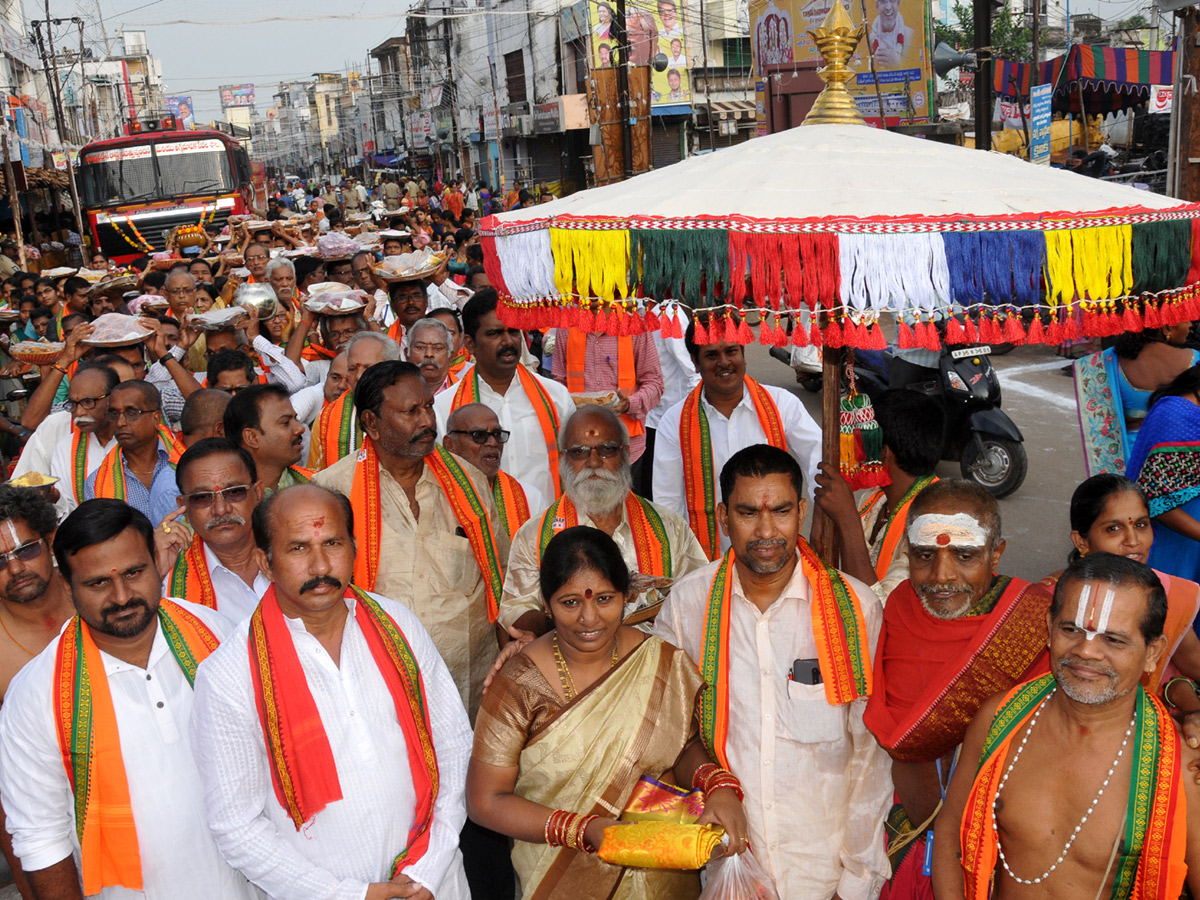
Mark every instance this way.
x=831 y=395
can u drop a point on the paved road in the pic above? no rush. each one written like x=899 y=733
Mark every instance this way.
x=1042 y=403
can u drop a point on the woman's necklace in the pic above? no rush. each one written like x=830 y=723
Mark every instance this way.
x=564 y=674
x=13 y=639
x=1086 y=815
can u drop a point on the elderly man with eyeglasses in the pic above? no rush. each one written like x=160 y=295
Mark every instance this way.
x=597 y=483
x=79 y=453
x=138 y=470
x=474 y=433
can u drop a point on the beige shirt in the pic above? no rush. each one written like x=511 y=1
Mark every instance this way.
x=898 y=570
x=818 y=786
x=521 y=591
x=429 y=568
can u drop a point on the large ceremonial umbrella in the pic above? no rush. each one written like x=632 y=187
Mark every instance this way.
x=851 y=222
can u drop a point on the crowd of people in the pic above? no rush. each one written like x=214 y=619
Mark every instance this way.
x=386 y=598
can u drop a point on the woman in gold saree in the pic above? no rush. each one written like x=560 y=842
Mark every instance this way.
x=574 y=720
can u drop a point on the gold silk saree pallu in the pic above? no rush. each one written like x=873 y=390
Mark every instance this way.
x=633 y=722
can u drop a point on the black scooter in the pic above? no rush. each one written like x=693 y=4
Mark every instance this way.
x=987 y=444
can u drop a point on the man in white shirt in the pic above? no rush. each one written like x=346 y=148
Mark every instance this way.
x=786 y=713
x=738 y=412
x=79 y=453
x=218 y=489
x=531 y=408
x=372 y=804
x=127 y=688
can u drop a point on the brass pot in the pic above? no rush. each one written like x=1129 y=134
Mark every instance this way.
x=258 y=298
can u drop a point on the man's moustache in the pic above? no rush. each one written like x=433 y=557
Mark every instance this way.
x=316 y=582
x=422 y=435
x=84 y=421
x=231 y=519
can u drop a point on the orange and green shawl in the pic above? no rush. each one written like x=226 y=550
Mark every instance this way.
x=838 y=628
x=79 y=466
x=543 y=406
x=110 y=476
x=303 y=770
x=339 y=429
x=173 y=443
x=699 y=479
x=190 y=578
x=1151 y=865
x=897 y=521
x=465 y=503
x=459 y=362
x=511 y=502
x=649 y=534
x=86 y=726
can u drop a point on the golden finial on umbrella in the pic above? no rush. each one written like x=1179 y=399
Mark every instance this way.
x=836 y=39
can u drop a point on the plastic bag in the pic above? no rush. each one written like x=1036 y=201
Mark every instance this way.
x=739 y=877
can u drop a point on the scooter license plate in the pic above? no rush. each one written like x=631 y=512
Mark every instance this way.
x=983 y=350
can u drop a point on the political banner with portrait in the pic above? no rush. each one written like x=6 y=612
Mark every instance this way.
x=181 y=109
x=898 y=38
x=654 y=27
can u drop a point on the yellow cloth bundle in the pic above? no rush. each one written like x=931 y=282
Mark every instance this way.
x=660 y=845
x=657 y=801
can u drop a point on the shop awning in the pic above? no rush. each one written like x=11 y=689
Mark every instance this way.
x=1110 y=78
x=726 y=109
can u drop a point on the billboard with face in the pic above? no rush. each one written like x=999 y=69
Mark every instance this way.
x=654 y=27
x=897 y=40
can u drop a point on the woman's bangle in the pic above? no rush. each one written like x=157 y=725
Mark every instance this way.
x=1195 y=688
x=711 y=777
x=568 y=829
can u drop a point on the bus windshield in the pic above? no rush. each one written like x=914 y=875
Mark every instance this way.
x=166 y=170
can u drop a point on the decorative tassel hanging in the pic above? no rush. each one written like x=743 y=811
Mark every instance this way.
x=744 y=334
x=1013 y=332
x=861 y=443
x=970 y=330
x=731 y=331
x=700 y=334
x=799 y=335
x=1036 y=334
x=832 y=336
x=1054 y=333
x=954 y=331
x=1150 y=316
x=815 y=338
x=781 y=335
x=905 y=337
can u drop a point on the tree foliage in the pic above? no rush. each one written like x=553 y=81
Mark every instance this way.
x=1011 y=37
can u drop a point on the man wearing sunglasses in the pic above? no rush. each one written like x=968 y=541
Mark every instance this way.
x=597 y=482
x=138 y=469
x=474 y=433
x=78 y=454
x=218 y=489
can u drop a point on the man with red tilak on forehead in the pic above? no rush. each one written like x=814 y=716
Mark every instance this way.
x=953 y=634
x=1076 y=785
x=329 y=733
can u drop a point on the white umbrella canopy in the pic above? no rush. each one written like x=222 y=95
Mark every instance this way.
x=853 y=222
x=830 y=171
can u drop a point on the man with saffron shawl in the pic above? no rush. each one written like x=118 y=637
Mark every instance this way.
x=953 y=634
x=595 y=470
x=531 y=408
x=1076 y=785
x=783 y=641
x=101 y=789
x=423 y=519
x=329 y=735
x=727 y=411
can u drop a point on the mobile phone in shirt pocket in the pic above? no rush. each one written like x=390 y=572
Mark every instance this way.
x=808 y=717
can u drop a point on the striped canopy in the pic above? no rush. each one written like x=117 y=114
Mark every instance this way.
x=1112 y=78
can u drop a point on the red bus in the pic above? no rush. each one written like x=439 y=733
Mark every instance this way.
x=134 y=189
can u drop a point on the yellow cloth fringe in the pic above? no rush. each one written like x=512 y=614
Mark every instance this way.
x=1089 y=263
x=660 y=845
x=591 y=263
